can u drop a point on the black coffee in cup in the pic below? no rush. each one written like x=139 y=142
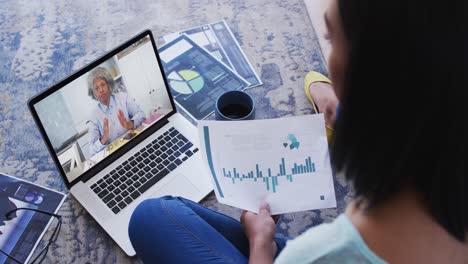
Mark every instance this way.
x=235 y=111
x=235 y=105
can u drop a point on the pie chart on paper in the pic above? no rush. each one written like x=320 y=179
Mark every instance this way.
x=186 y=81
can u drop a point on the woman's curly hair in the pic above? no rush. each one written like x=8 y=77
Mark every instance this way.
x=103 y=74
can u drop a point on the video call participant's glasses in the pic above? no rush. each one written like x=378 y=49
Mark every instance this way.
x=43 y=252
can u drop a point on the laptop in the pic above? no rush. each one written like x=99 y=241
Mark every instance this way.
x=116 y=137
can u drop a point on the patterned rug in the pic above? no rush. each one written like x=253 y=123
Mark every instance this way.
x=44 y=41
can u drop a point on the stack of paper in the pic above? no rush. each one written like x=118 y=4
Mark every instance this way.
x=202 y=63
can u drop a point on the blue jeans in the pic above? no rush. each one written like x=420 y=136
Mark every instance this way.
x=176 y=230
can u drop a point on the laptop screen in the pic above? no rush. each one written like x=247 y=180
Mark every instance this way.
x=105 y=108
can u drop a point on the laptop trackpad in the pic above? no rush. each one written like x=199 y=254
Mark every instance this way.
x=178 y=186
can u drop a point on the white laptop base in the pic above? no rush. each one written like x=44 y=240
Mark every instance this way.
x=189 y=180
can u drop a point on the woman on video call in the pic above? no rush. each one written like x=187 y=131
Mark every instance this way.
x=115 y=113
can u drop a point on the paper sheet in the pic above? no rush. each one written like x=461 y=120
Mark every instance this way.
x=195 y=77
x=20 y=234
x=284 y=162
x=218 y=39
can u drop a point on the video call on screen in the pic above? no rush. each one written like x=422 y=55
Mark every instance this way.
x=103 y=109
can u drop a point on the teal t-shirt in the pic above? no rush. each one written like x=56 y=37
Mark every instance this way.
x=336 y=242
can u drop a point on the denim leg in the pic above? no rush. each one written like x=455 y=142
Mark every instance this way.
x=216 y=238
x=230 y=228
x=166 y=230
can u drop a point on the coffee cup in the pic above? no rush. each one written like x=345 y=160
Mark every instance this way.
x=234 y=105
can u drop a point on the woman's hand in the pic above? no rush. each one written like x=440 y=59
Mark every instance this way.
x=127 y=124
x=260 y=230
x=105 y=135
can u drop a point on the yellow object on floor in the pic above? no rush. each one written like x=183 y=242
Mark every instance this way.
x=310 y=78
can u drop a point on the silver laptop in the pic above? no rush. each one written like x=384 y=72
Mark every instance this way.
x=116 y=138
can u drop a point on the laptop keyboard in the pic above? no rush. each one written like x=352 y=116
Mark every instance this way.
x=141 y=171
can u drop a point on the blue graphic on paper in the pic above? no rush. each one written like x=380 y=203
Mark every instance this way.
x=291 y=142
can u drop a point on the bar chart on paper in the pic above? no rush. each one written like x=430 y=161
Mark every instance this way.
x=271 y=179
x=288 y=168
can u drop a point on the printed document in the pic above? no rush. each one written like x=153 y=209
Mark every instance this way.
x=218 y=39
x=284 y=162
x=195 y=77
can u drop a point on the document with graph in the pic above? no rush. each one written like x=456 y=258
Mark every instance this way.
x=195 y=77
x=284 y=162
x=22 y=230
x=218 y=39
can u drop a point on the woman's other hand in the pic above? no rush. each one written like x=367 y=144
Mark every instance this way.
x=127 y=124
x=105 y=136
x=260 y=231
